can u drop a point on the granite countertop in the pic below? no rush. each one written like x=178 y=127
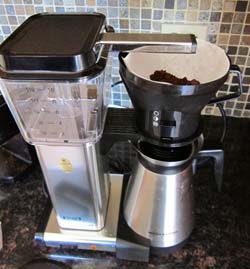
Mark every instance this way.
x=221 y=238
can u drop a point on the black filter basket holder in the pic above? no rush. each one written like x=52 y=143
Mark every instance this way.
x=168 y=112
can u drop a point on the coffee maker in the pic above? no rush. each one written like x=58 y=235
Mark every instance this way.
x=56 y=76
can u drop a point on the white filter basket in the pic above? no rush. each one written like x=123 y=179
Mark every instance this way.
x=208 y=64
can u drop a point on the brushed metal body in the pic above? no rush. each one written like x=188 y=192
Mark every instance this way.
x=103 y=240
x=77 y=186
x=159 y=205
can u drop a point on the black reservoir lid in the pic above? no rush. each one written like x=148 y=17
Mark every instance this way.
x=52 y=46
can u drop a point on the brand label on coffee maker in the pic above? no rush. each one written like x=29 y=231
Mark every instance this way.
x=66 y=165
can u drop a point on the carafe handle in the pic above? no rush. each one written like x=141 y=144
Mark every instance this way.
x=236 y=70
x=217 y=155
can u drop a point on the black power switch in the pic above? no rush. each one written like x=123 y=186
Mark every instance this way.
x=167 y=128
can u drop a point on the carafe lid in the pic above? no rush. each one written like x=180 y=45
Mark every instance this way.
x=54 y=46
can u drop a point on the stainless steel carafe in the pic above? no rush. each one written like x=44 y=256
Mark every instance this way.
x=159 y=198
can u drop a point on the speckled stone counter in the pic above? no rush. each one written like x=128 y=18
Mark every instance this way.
x=221 y=238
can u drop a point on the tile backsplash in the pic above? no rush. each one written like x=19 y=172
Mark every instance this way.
x=228 y=25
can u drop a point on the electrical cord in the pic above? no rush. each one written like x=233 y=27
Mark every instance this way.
x=116 y=83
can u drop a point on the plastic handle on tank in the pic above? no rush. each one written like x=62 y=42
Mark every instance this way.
x=233 y=69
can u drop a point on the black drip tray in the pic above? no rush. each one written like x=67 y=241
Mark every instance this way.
x=119 y=127
x=121 y=121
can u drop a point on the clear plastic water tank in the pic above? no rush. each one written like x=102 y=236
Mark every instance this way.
x=55 y=82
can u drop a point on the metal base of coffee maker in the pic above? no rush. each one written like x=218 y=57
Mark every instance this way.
x=104 y=240
x=115 y=237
